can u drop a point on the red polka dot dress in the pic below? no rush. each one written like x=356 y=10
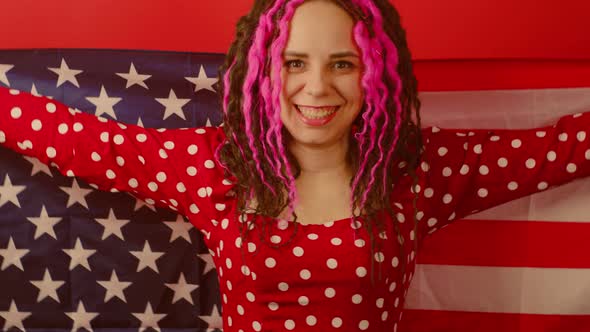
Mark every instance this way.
x=321 y=280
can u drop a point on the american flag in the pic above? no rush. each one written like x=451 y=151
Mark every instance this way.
x=73 y=257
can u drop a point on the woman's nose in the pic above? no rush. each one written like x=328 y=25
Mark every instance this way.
x=317 y=83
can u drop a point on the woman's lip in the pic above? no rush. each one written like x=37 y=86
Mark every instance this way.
x=299 y=105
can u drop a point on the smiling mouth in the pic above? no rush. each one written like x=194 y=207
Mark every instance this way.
x=316 y=112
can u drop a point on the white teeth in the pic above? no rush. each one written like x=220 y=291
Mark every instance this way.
x=316 y=113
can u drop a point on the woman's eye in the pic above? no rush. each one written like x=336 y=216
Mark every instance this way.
x=343 y=65
x=294 y=64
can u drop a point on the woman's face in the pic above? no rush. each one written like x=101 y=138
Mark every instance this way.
x=321 y=75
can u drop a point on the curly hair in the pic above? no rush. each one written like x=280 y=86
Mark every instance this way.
x=255 y=152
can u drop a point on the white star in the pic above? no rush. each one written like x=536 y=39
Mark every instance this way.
x=140 y=123
x=47 y=287
x=139 y=203
x=76 y=194
x=173 y=105
x=208 y=123
x=13 y=317
x=66 y=74
x=134 y=78
x=79 y=255
x=36 y=93
x=114 y=287
x=44 y=224
x=81 y=318
x=209 y=265
x=182 y=290
x=147 y=258
x=12 y=256
x=149 y=319
x=180 y=228
x=104 y=104
x=38 y=166
x=112 y=225
x=202 y=81
x=213 y=320
x=3 y=70
x=8 y=192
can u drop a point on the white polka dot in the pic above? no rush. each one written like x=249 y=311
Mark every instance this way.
x=180 y=187
x=14 y=92
x=250 y=296
x=379 y=302
x=78 y=127
x=169 y=145
x=50 y=107
x=120 y=161
x=303 y=300
x=395 y=262
x=330 y=292
x=581 y=136
x=477 y=149
x=192 y=149
x=16 y=112
x=161 y=176
x=442 y=151
x=200 y=131
x=379 y=257
x=484 y=170
x=587 y=154
x=429 y=192
x=273 y=306
x=289 y=324
x=512 y=185
x=495 y=138
x=563 y=137
x=542 y=185
x=110 y=174
x=357 y=299
x=482 y=192
x=332 y=263
x=298 y=251
x=447 y=198
x=153 y=186
x=256 y=326
x=516 y=143
x=447 y=172
x=531 y=163
x=551 y=155
x=464 y=169
x=432 y=221
x=95 y=156
x=283 y=286
x=400 y=217
x=275 y=239
x=541 y=134
x=312 y=236
x=571 y=168
x=204 y=192
x=502 y=162
x=425 y=166
x=336 y=241
x=219 y=206
x=163 y=154
x=305 y=274
x=191 y=170
x=209 y=164
x=361 y=271
x=384 y=315
x=363 y=325
x=51 y=152
x=133 y=183
x=36 y=125
x=311 y=320
x=392 y=287
x=194 y=209
x=2 y=137
x=337 y=322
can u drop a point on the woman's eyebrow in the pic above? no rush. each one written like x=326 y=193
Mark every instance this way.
x=333 y=55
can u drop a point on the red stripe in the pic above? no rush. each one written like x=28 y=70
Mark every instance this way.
x=453 y=321
x=509 y=244
x=496 y=74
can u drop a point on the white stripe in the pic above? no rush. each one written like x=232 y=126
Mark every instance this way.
x=500 y=290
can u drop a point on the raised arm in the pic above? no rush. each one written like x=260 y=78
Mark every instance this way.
x=467 y=171
x=169 y=168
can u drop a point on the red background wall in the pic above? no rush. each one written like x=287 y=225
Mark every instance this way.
x=437 y=29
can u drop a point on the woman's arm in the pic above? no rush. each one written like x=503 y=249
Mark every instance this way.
x=170 y=168
x=467 y=171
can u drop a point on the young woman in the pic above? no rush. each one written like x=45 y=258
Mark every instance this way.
x=315 y=192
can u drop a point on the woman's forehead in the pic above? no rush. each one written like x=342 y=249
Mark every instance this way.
x=320 y=26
